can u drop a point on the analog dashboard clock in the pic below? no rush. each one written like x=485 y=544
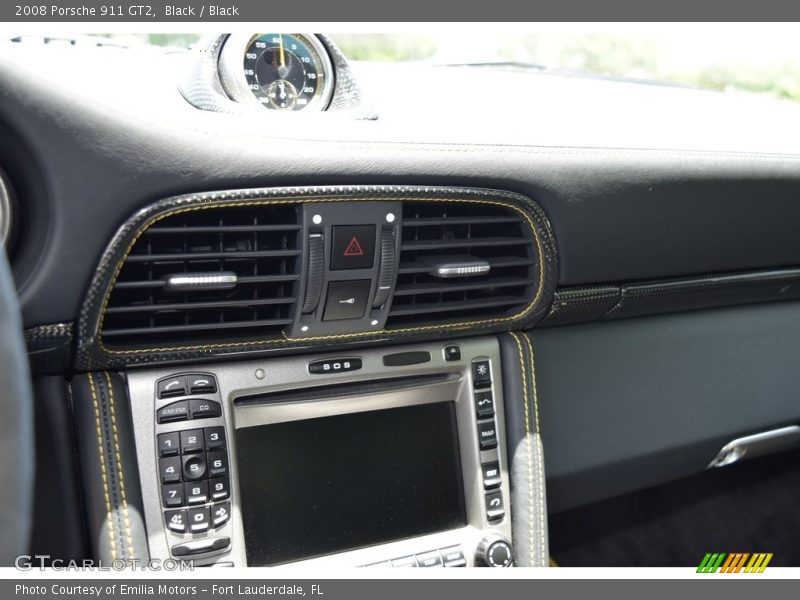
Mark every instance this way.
x=279 y=71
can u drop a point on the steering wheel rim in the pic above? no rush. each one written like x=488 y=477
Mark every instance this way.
x=16 y=425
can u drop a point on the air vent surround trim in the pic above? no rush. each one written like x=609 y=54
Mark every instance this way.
x=92 y=353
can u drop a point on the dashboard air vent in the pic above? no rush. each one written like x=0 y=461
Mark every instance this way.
x=462 y=261
x=208 y=275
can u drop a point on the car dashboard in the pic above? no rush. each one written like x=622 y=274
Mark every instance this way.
x=300 y=310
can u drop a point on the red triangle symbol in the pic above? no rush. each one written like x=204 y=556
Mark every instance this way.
x=353 y=248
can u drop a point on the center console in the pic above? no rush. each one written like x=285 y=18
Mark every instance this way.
x=382 y=457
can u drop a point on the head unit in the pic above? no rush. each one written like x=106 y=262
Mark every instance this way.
x=386 y=457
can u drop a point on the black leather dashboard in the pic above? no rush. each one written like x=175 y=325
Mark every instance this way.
x=631 y=194
x=95 y=154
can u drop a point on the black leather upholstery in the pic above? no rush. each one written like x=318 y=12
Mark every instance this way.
x=639 y=402
x=16 y=426
x=109 y=471
x=524 y=445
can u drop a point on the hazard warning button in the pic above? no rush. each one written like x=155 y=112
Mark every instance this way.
x=353 y=247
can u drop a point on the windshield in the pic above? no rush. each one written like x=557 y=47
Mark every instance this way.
x=761 y=58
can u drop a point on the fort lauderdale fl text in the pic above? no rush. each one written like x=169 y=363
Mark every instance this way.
x=144 y=589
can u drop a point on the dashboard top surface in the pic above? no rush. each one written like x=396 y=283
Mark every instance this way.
x=639 y=181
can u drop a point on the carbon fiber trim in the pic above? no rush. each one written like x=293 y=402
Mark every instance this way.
x=49 y=347
x=92 y=354
x=598 y=303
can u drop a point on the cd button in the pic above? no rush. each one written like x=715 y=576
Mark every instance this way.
x=204 y=409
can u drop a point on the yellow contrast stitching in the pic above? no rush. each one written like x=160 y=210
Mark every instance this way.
x=103 y=472
x=221 y=202
x=540 y=461
x=526 y=400
x=533 y=382
x=118 y=457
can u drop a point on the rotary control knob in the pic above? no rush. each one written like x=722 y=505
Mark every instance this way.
x=494 y=551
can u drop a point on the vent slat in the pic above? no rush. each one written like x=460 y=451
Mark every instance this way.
x=199 y=327
x=196 y=305
x=259 y=244
x=156 y=230
x=437 y=221
x=462 y=233
x=413 y=267
x=437 y=288
x=198 y=256
x=160 y=283
x=463 y=243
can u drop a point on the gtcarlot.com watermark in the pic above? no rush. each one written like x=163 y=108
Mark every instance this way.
x=31 y=562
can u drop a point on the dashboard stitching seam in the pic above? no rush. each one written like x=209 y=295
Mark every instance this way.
x=113 y=469
x=525 y=402
x=103 y=472
x=120 y=469
x=220 y=202
x=539 y=452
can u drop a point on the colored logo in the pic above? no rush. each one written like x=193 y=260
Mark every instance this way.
x=737 y=562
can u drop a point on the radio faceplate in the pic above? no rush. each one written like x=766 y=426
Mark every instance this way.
x=266 y=393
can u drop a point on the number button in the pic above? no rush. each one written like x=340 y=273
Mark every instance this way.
x=170 y=469
x=169 y=444
x=199 y=519
x=191 y=441
x=220 y=488
x=194 y=467
x=215 y=438
x=217 y=463
x=172 y=494
x=196 y=493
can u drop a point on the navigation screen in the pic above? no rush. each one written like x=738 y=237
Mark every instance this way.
x=326 y=485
